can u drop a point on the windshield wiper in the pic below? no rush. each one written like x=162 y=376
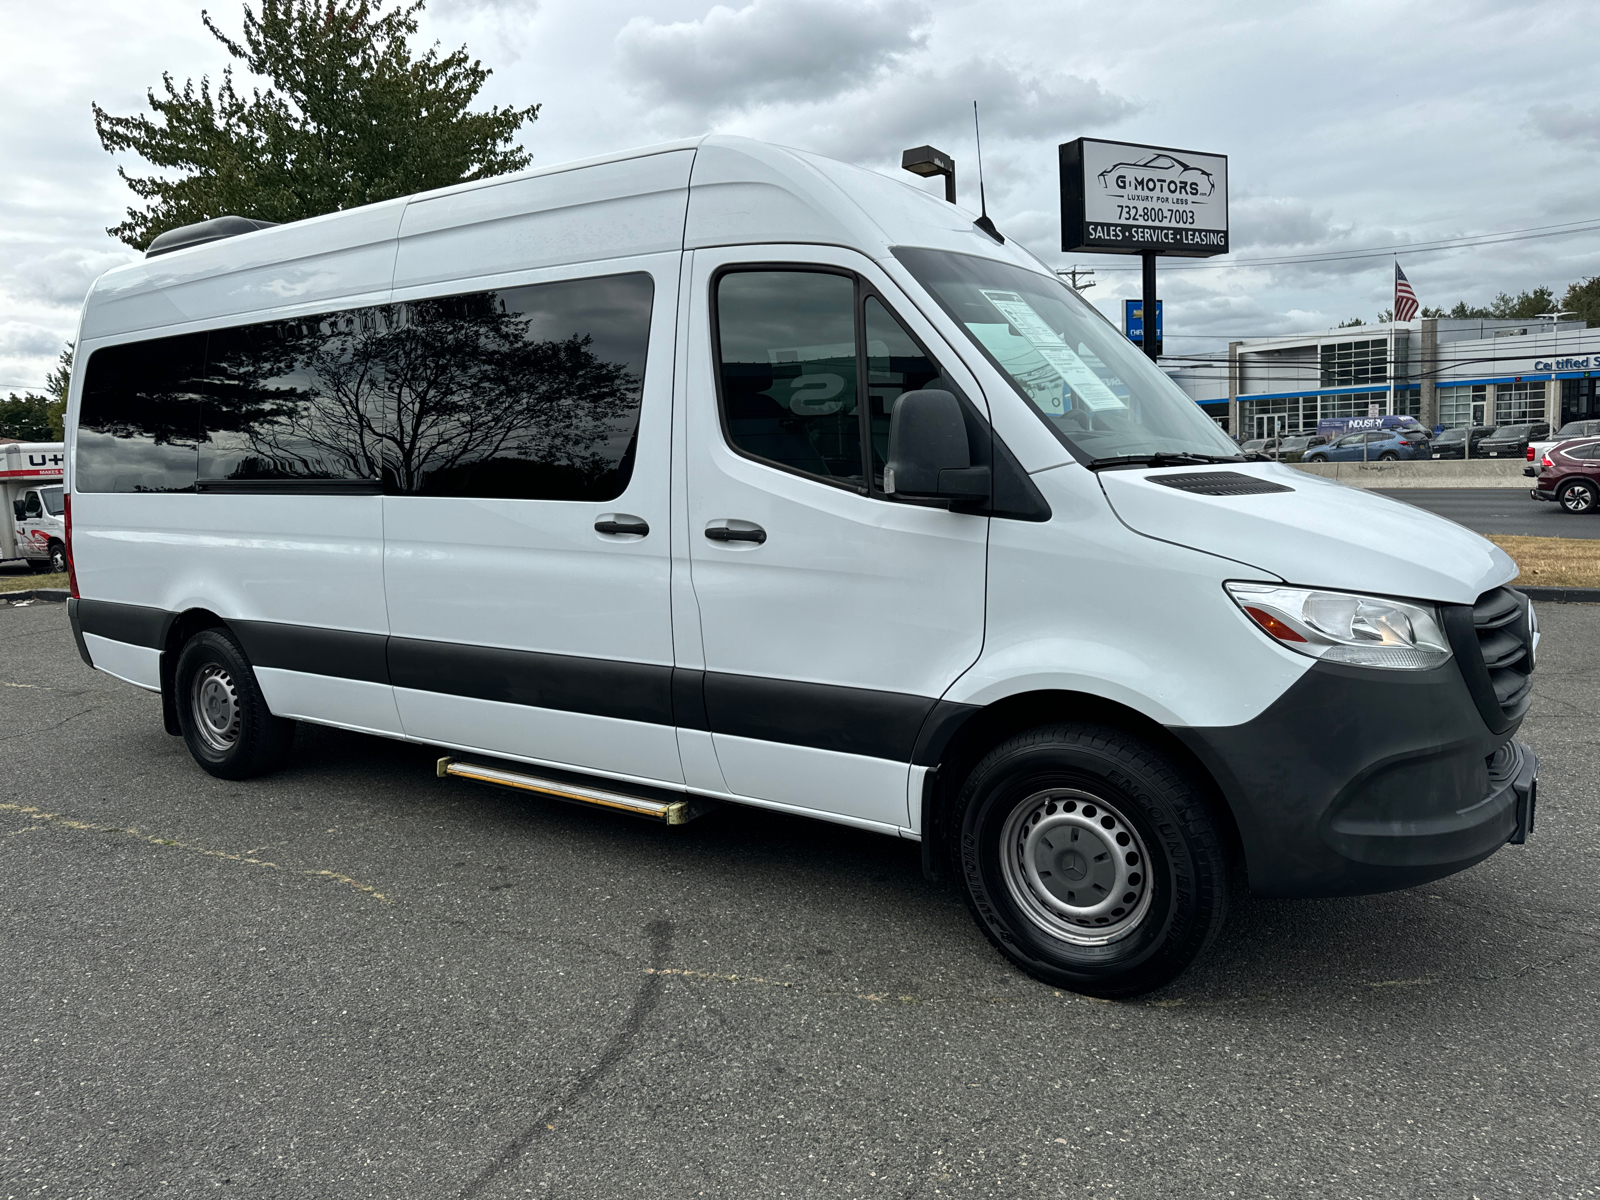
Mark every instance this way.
x=1160 y=458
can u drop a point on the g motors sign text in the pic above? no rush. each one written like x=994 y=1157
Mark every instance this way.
x=1126 y=198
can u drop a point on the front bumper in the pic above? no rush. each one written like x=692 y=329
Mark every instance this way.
x=1358 y=781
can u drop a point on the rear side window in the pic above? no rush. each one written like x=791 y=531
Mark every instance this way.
x=296 y=400
x=528 y=393
x=787 y=358
x=139 y=422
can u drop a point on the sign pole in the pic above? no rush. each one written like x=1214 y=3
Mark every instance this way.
x=1148 y=338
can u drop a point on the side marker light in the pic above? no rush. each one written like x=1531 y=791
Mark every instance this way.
x=1272 y=625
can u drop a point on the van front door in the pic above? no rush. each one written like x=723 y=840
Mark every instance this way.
x=832 y=617
x=526 y=534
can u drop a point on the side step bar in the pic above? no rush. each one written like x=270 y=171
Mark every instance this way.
x=673 y=812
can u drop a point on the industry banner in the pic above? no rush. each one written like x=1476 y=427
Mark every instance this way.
x=1126 y=198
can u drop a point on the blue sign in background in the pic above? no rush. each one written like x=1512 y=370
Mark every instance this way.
x=1133 y=321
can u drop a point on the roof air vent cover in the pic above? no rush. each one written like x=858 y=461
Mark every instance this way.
x=201 y=232
x=1218 y=483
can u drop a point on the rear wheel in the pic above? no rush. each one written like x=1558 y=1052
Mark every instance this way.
x=226 y=723
x=1578 y=496
x=1388 y=456
x=1090 y=860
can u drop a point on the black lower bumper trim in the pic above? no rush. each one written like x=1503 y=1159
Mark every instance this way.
x=1358 y=781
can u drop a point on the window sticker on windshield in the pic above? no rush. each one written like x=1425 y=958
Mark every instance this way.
x=1088 y=387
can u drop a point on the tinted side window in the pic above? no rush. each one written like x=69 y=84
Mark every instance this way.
x=139 y=420
x=31 y=506
x=787 y=358
x=529 y=393
x=298 y=399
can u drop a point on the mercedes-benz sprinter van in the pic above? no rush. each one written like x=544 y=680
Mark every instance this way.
x=723 y=472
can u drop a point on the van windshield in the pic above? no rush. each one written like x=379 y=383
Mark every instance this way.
x=1095 y=390
x=52 y=500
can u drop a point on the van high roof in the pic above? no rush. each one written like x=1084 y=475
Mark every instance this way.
x=709 y=191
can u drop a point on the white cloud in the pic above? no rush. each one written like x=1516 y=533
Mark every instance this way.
x=770 y=51
x=1567 y=125
x=929 y=103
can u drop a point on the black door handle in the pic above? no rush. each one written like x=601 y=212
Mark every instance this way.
x=622 y=523
x=722 y=532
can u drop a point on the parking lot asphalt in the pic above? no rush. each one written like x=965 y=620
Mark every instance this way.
x=1499 y=510
x=354 y=979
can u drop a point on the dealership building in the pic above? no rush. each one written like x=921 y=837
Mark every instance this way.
x=1446 y=373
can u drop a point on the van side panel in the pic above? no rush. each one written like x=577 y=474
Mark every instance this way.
x=614 y=210
x=345 y=257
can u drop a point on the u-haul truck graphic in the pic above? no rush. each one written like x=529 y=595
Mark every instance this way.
x=34 y=530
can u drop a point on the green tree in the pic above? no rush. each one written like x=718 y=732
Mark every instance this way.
x=31 y=417
x=1351 y=323
x=1583 y=299
x=350 y=117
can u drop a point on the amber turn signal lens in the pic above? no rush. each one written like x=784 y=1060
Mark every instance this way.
x=1272 y=625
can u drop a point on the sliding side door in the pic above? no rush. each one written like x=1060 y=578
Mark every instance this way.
x=526 y=536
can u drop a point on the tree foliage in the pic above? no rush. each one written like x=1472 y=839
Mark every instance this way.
x=1583 y=300
x=350 y=117
x=31 y=417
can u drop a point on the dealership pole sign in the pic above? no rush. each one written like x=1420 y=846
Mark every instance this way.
x=1127 y=198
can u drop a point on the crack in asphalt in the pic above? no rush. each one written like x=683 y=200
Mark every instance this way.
x=660 y=935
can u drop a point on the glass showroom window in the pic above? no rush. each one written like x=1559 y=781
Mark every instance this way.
x=1354 y=404
x=1350 y=364
x=1518 y=403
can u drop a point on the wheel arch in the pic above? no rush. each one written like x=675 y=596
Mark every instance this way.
x=992 y=724
x=180 y=629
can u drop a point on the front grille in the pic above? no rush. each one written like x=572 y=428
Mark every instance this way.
x=1504 y=648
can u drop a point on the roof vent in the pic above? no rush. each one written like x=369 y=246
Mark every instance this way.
x=1218 y=483
x=202 y=232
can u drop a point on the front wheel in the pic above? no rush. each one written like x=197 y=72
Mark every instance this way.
x=226 y=723
x=1090 y=860
x=57 y=561
x=1578 y=496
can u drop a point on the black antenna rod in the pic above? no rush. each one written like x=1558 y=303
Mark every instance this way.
x=983 y=221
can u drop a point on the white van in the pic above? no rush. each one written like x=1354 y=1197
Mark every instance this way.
x=31 y=487
x=719 y=471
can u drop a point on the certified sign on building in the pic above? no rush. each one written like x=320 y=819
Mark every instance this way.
x=1124 y=198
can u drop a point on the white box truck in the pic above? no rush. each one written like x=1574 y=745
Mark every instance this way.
x=30 y=474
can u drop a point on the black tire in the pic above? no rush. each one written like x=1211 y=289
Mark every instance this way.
x=224 y=717
x=57 y=561
x=1578 y=496
x=1388 y=456
x=1118 y=805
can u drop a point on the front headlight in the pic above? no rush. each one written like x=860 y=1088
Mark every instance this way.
x=1362 y=631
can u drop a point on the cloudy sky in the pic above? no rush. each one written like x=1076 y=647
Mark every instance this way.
x=1348 y=125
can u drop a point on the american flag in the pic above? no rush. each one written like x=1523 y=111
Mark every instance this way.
x=1405 y=300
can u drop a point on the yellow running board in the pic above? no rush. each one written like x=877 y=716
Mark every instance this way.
x=673 y=812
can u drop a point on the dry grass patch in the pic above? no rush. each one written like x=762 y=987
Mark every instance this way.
x=26 y=583
x=1554 y=562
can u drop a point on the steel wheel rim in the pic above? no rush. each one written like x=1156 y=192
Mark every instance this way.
x=1577 y=498
x=214 y=701
x=1076 y=867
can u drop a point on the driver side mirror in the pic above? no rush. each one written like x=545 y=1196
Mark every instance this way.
x=928 y=454
x=20 y=508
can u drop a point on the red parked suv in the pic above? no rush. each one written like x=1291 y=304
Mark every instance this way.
x=1569 y=474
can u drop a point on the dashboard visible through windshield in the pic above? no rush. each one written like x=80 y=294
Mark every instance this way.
x=1095 y=390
